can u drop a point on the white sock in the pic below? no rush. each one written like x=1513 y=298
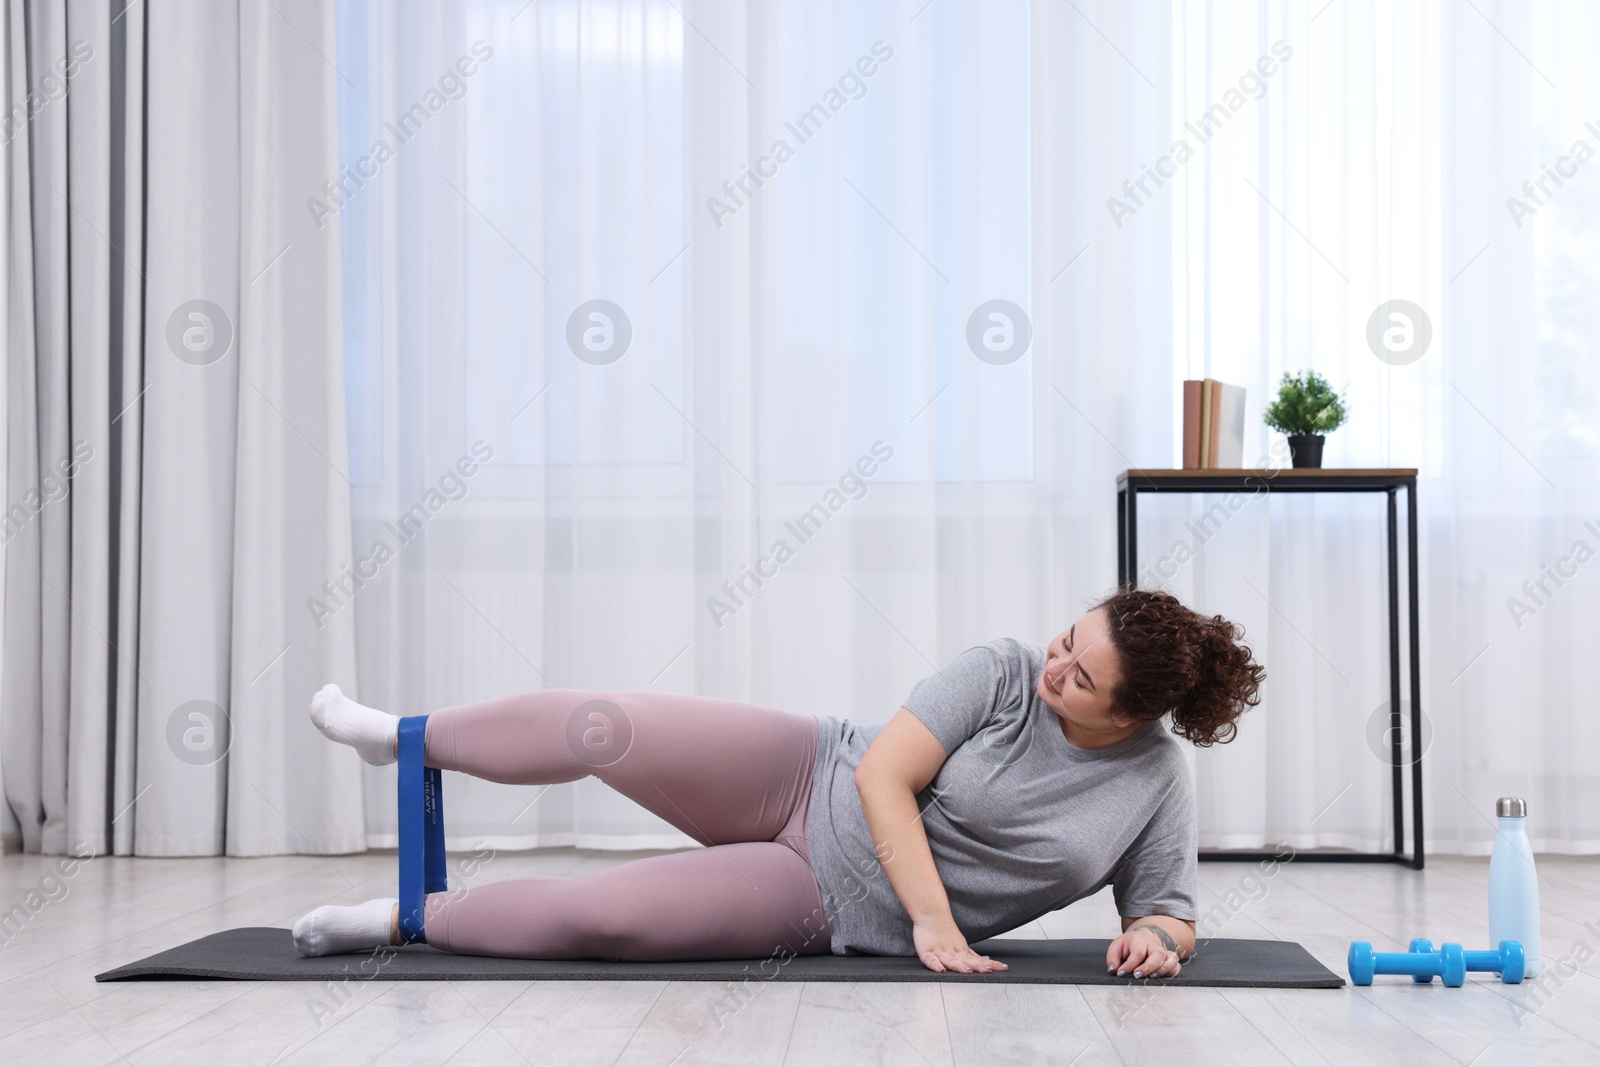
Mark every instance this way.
x=332 y=928
x=367 y=730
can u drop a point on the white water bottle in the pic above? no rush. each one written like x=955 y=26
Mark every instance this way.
x=1514 y=884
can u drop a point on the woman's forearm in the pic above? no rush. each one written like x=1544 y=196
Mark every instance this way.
x=902 y=844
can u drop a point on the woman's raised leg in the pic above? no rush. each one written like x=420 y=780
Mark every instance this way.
x=722 y=771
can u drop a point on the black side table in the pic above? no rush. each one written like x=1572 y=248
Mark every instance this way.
x=1130 y=483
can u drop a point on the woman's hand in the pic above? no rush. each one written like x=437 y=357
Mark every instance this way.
x=941 y=947
x=1144 y=952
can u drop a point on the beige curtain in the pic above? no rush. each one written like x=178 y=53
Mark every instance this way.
x=173 y=332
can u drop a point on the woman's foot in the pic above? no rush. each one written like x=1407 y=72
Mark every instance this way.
x=367 y=730
x=332 y=928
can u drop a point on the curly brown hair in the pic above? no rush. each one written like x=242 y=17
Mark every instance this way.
x=1175 y=659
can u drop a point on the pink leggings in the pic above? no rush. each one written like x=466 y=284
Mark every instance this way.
x=735 y=777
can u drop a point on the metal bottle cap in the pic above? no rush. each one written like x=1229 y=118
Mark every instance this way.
x=1511 y=808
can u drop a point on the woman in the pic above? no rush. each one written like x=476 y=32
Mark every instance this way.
x=1017 y=779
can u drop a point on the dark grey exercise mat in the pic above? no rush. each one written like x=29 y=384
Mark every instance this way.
x=262 y=953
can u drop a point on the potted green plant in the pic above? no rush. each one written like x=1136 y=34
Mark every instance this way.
x=1307 y=408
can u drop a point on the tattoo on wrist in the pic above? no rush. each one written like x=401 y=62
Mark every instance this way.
x=1164 y=937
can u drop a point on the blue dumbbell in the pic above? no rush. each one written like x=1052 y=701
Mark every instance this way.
x=1449 y=963
x=1421 y=944
x=1507 y=961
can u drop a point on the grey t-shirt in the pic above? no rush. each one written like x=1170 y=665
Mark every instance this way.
x=1020 y=822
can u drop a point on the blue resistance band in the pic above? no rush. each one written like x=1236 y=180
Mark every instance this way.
x=421 y=811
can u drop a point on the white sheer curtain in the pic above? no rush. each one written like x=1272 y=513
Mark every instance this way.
x=1376 y=165
x=776 y=330
x=934 y=158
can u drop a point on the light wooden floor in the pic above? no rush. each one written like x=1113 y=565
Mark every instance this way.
x=116 y=910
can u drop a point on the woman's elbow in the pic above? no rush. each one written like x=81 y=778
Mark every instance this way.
x=871 y=778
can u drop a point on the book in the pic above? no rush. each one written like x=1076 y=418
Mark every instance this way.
x=1191 y=424
x=1205 y=421
x=1227 y=426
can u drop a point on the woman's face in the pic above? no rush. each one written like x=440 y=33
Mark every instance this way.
x=1080 y=674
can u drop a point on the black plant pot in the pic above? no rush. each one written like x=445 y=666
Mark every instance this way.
x=1305 y=449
